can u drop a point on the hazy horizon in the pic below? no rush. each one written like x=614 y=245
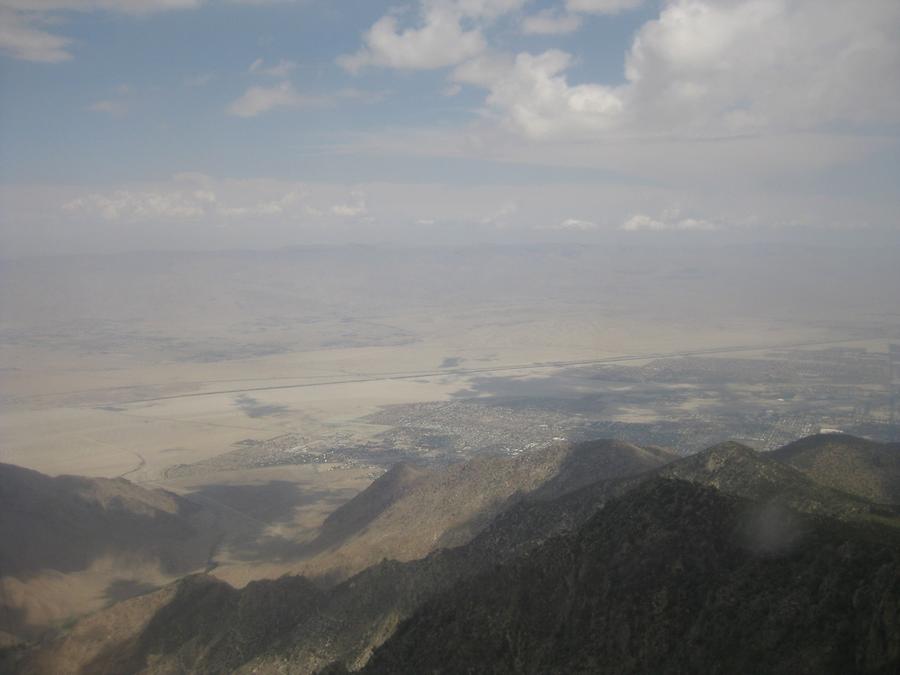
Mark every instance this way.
x=144 y=125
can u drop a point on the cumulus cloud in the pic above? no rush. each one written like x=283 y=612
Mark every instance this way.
x=356 y=208
x=447 y=33
x=485 y=70
x=550 y=22
x=572 y=225
x=201 y=201
x=668 y=221
x=274 y=207
x=195 y=210
x=126 y=205
x=747 y=66
x=191 y=196
x=533 y=96
x=705 y=68
x=438 y=41
x=501 y=217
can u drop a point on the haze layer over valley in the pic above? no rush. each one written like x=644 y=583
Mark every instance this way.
x=207 y=353
x=398 y=336
x=278 y=384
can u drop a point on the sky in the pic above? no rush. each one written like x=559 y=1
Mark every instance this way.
x=195 y=124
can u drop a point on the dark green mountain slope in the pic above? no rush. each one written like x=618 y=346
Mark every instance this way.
x=854 y=465
x=737 y=470
x=671 y=578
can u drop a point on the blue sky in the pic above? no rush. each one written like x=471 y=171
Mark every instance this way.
x=190 y=123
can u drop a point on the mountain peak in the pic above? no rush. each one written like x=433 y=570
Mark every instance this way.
x=735 y=469
x=725 y=462
x=722 y=454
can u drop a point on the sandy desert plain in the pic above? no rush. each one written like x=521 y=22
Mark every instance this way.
x=307 y=395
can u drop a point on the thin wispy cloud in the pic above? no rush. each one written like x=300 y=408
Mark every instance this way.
x=200 y=80
x=23 y=37
x=115 y=108
x=258 y=100
x=25 y=25
x=571 y=225
x=279 y=70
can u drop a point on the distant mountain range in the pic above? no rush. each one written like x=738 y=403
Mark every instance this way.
x=594 y=558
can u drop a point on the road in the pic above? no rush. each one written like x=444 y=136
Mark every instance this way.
x=387 y=377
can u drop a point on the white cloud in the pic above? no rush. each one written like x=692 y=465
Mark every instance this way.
x=669 y=221
x=198 y=211
x=447 y=33
x=275 y=207
x=484 y=70
x=705 y=68
x=280 y=70
x=550 y=22
x=21 y=38
x=534 y=97
x=348 y=210
x=438 y=42
x=125 y=205
x=200 y=80
x=501 y=217
x=738 y=67
x=257 y=100
x=572 y=225
x=351 y=210
x=602 y=6
x=191 y=197
x=483 y=9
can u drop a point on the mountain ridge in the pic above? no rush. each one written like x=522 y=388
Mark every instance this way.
x=644 y=587
x=345 y=624
x=853 y=465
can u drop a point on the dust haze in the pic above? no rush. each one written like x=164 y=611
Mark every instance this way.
x=272 y=386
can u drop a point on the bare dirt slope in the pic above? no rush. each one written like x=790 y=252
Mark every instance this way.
x=73 y=544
